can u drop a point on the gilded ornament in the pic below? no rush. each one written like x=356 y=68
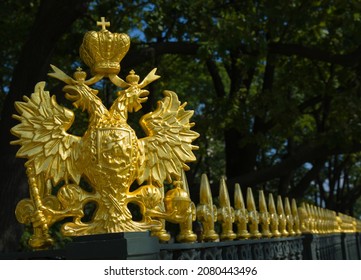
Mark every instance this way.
x=186 y=233
x=289 y=217
x=328 y=220
x=304 y=218
x=109 y=157
x=225 y=213
x=311 y=219
x=335 y=225
x=315 y=220
x=296 y=217
x=281 y=217
x=207 y=211
x=265 y=218
x=274 y=221
x=253 y=215
x=333 y=221
x=322 y=218
x=240 y=213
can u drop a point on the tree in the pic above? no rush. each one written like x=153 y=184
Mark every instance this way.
x=274 y=85
x=285 y=97
x=52 y=20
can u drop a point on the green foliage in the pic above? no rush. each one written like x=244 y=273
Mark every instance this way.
x=281 y=75
x=16 y=20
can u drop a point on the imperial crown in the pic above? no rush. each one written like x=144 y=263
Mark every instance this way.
x=102 y=50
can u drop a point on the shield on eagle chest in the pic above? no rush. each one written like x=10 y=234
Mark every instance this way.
x=115 y=148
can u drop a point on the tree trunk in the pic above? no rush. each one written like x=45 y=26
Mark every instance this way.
x=53 y=19
x=240 y=160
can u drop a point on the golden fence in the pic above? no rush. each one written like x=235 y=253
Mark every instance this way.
x=272 y=217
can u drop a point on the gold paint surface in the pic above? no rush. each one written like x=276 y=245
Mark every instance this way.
x=253 y=215
x=265 y=218
x=281 y=217
x=290 y=222
x=274 y=221
x=225 y=212
x=241 y=214
x=207 y=211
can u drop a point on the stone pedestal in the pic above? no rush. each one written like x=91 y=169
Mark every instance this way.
x=112 y=246
x=121 y=246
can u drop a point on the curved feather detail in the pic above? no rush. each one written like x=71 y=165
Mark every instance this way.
x=168 y=145
x=43 y=137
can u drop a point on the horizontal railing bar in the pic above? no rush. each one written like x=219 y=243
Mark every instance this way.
x=202 y=245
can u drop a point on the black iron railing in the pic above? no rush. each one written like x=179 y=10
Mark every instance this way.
x=338 y=246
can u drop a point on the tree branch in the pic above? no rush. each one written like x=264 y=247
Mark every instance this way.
x=301 y=187
x=350 y=59
x=217 y=80
x=139 y=55
x=307 y=153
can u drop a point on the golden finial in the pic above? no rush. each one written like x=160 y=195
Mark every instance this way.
x=296 y=217
x=206 y=211
x=327 y=215
x=349 y=222
x=358 y=226
x=304 y=218
x=344 y=222
x=328 y=220
x=321 y=214
x=311 y=219
x=353 y=224
x=335 y=223
x=315 y=219
x=132 y=79
x=241 y=214
x=281 y=217
x=79 y=75
x=340 y=221
x=253 y=215
x=225 y=213
x=332 y=222
x=104 y=24
x=289 y=218
x=264 y=215
x=186 y=233
x=274 y=221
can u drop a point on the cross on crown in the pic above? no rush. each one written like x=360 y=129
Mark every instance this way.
x=104 y=24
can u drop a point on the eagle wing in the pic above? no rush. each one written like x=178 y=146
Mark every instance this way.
x=43 y=137
x=168 y=145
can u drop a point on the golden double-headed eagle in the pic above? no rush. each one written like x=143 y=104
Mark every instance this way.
x=108 y=157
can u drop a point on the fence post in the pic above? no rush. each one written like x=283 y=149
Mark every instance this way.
x=310 y=248
x=121 y=246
